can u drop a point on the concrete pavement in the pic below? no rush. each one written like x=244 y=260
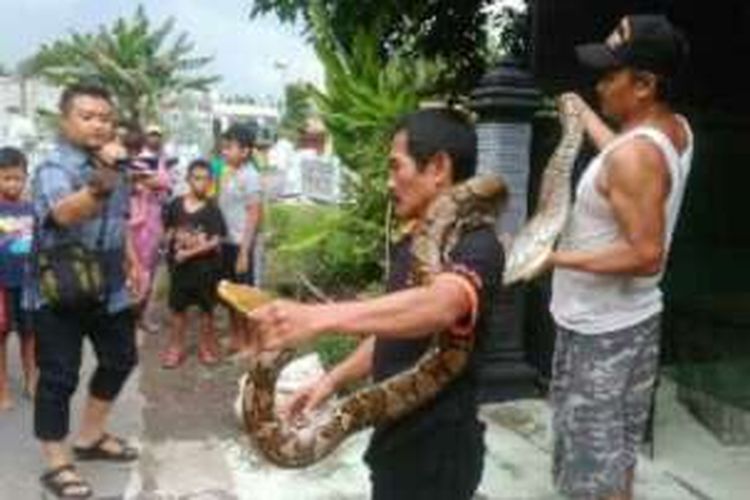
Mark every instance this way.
x=192 y=448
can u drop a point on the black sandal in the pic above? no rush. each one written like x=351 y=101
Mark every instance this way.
x=53 y=483
x=97 y=452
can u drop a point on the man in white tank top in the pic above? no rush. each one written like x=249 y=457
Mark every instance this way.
x=606 y=300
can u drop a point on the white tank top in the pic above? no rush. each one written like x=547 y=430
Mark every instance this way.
x=591 y=303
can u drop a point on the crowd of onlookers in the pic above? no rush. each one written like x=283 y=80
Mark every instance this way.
x=82 y=234
x=202 y=234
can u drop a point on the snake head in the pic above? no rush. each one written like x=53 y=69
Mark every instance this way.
x=569 y=104
x=570 y=107
x=242 y=298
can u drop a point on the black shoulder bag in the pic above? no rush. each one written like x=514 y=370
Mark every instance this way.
x=71 y=276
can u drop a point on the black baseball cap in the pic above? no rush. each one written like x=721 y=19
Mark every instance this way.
x=646 y=42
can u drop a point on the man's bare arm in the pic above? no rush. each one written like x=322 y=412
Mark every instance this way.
x=252 y=220
x=416 y=312
x=356 y=366
x=637 y=187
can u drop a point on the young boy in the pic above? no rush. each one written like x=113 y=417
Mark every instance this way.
x=195 y=228
x=16 y=223
x=240 y=202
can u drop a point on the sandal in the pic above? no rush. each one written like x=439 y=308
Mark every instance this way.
x=234 y=348
x=53 y=483
x=172 y=357
x=97 y=452
x=208 y=355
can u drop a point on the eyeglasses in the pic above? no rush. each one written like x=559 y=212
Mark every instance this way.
x=200 y=177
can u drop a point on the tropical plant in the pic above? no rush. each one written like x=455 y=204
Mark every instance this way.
x=297 y=110
x=131 y=58
x=452 y=30
x=360 y=104
x=509 y=34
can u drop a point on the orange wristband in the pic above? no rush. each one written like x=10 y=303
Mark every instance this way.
x=468 y=285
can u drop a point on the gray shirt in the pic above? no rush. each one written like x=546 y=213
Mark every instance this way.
x=239 y=189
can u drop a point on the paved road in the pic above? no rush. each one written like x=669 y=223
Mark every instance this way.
x=191 y=446
x=192 y=449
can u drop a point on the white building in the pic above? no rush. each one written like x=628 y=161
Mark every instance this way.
x=187 y=119
x=227 y=112
x=26 y=96
x=22 y=104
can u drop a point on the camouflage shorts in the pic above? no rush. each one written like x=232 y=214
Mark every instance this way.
x=601 y=394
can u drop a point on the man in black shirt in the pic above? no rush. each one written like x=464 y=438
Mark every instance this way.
x=437 y=451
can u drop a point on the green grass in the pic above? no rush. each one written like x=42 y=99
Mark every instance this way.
x=294 y=233
x=333 y=348
x=325 y=244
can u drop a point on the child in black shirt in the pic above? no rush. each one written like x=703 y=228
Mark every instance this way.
x=195 y=228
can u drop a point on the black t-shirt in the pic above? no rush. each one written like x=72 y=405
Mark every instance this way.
x=206 y=222
x=479 y=253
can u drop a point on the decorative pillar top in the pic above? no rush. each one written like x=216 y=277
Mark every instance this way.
x=506 y=93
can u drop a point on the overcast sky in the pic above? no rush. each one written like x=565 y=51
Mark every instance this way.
x=244 y=51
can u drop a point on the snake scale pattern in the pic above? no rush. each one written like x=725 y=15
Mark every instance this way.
x=464 y=207
x=532 y=245
x=468 y=205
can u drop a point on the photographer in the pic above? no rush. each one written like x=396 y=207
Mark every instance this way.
x=80 y=199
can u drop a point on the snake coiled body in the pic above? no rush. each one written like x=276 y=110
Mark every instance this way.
x=532 y=245
x=464 y=207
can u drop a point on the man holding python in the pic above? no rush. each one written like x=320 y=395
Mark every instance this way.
x=606 y=299
x=437 y=450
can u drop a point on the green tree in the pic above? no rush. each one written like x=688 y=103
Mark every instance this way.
x=451 y=30
x=367 y=88
x=510 y=34
x=362 y=99
x=297 y=109
x=132 y=58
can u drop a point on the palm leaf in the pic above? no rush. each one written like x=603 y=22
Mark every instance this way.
x=130 y=58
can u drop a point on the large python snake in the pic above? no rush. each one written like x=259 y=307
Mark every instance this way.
x=466 y=206
x=529 y=250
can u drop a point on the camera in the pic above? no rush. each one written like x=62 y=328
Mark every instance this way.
x=139 y=164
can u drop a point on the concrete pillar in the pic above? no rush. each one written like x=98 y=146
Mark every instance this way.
x=505 y=101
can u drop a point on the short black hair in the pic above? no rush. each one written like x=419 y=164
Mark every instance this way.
x=431 y=131
x=133 y=139
x=79 y=89
x=11 y=157
x=241 y=133
x=199 y=164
